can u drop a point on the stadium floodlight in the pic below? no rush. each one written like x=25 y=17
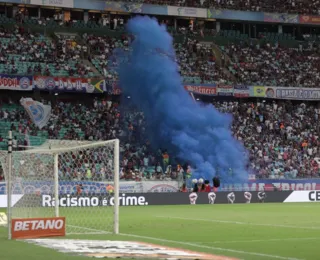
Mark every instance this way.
x=39 y=177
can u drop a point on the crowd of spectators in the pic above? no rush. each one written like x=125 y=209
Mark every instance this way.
x=197 y=63
x=23 y=52
x=281 y=137
x=272 y=65
x=305 y=7
x=101 y=120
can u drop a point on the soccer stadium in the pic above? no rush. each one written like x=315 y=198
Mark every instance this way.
x=156 y=129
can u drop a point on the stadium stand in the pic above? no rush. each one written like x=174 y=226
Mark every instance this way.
x=288 y=6
x=274 y=65
x=281 y=137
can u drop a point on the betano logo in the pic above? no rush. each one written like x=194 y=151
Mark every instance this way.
x=38 y=227
x=38 y=224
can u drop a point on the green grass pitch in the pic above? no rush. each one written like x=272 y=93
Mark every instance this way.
x=246 y=231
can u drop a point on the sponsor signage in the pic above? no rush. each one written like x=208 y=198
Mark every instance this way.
x=235 y=15
x=223 y=90
x=56 y=3
x=202 y=89
x=22 y=83
x=296 y=93
x=90 y=187
x=187 y=11
x=259 y=91
x=241 y=91
x=281 y=18
x=309 y=19
x=70 y=187
x=125 y=199
x=304 y=196
x=134 y=8
x=66 y=84
x=273 y=185
x=38 y=227
x=285 y=93
x=146 y=199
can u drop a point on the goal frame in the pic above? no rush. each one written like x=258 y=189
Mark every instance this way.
x=55 y=152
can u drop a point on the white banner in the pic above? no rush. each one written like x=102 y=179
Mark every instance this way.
x=57 y=3
x=304 y=196
x=160 y=186
x=187 y=11
x=38 y=112
x=148 y=186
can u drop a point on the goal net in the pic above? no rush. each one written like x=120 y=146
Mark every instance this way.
x=82 y=176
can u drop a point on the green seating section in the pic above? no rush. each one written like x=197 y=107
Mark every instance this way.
x=233 y=34
x=42 y=135
x=22 y=66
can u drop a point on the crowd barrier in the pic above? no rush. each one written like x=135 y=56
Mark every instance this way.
x=153 y=199
x=100 y=85
x=70 y=187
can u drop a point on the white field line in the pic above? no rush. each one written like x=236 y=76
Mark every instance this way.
x=240 y=223
x=212 y=248
x=259 y=240
x=194 y=245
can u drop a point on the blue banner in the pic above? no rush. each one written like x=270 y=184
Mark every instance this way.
x=16 y=1
x=241 y=91
x=136 y=8
x=281 y=18
x=12 y=82
x=90 y=5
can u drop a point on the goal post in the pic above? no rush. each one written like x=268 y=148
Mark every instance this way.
x=78 y=180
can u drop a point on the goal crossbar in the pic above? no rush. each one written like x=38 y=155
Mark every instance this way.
x=66 y=149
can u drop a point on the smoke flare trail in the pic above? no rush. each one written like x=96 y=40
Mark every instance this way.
x=199 y=134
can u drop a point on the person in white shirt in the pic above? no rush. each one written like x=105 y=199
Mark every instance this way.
x=115 y=23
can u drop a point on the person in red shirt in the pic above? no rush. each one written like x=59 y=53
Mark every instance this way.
x=183 y=188
x=202 y=188
x=207 y=186
x=79 y=189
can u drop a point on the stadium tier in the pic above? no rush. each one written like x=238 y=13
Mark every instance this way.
x=281 y=136
x=110 y=107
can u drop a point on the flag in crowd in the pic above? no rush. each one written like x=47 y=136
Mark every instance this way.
x=37 y=111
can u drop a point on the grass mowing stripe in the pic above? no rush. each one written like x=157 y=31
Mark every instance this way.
x=212 y=248
x=239 y=222
x=260 y=240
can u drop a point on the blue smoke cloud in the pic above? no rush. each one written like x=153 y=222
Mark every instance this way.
x=198 y=134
